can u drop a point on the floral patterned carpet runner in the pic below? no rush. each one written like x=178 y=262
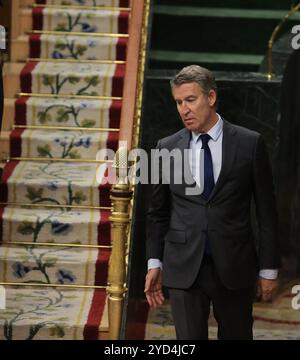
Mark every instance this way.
x=272 y=321
x=60 y=312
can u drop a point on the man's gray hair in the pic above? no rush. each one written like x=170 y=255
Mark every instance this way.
x=195 y=73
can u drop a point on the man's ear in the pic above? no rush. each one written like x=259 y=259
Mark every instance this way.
x=212 y=98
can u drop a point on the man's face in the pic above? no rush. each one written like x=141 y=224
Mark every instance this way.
x=194 y=106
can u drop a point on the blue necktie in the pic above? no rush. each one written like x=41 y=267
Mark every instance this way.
x=209 y=181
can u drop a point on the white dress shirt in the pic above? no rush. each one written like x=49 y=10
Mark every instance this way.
x=215 y=146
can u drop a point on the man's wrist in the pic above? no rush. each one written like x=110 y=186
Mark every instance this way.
x=268 y=274
x=154 y=264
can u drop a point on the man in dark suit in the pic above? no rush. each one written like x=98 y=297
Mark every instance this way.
x=200 y=244
x=1 y=96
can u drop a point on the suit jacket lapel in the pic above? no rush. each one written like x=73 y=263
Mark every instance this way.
x=184 y=144
x=229 y=147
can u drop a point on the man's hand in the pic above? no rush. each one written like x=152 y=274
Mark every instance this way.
x=266 y=289
x=153 y=287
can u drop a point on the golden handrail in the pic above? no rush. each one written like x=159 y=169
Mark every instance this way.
x=293 y=10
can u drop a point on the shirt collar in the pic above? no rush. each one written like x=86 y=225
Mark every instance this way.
x=214 y=132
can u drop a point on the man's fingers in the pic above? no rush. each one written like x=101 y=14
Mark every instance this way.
x=267 y=289
x=149 y=299
x=153 y=300
x=155 y=297
x=153 y=288
x=258 y=291
x=158 y=296
x=267 y=296
x=147 y=285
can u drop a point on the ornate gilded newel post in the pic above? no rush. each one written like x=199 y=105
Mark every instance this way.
x=121 y=195
x=122 y=192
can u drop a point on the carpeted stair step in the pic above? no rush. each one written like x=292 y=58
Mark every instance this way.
x=79 y=20
x=82 y=79
x=62 y=144
x=276 y=320
x=75 y=226
x=106 y=20
x=76 y=79
x=68 y=46
x=19 y=48
x=54 y=265
x=78 y=47
x=56 y=183
x=121 y=3
x=53 y=314
x=8 y=114
x=68 y=112
x=11 y=79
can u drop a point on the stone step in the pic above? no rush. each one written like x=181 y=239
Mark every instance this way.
x=244 y=4
x=25 y=21
x=4 y=147
x=20 y=224
x=11 y=79
x=8 y=114
x=215 y=61
x=20 y=49
x=206 y=57
x=26 y=3
x=54 y=314
x=223 y=34
x=56 y=183
x=222 y=12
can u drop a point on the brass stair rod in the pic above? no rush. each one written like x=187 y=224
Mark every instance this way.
x=54 y=285
x=78 y=7
x=79 y=128
x=26 y=243
x=37 y=159
x=69 y=96
x=293 y=10
x=76 y=33
x=118 y=62
x=56 y=206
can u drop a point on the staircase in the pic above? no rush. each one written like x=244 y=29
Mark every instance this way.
x=225 y=36
x=67 y=69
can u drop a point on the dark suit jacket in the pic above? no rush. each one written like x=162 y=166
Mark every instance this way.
x=1 y=96
x=176 y=221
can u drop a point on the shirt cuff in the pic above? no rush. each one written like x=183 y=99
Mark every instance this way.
x=154 y=263
x=268 y=274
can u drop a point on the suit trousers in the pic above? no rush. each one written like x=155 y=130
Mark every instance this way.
x=232 y=308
